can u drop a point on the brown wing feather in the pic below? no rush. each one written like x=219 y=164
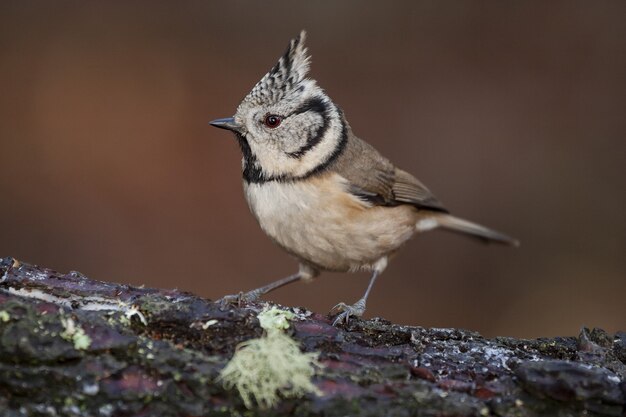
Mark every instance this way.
x=408 y=189
x=375 y=179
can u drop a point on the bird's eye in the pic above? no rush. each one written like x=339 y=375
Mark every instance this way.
x=272 y=121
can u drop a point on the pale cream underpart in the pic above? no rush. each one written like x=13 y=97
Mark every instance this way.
x=323 y=225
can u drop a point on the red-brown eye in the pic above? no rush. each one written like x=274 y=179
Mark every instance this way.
x=272 y=121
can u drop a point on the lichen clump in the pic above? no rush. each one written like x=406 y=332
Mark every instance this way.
x=275 y=319
x=75 y=334
x=4 y=316
x=271 y=366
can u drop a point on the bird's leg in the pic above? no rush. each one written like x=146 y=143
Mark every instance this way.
x=255 y=294
x=357 y=309
x=305 y=272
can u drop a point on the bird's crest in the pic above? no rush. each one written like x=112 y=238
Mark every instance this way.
x=290 y=70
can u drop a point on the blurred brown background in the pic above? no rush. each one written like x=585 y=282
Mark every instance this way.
x=514 y=113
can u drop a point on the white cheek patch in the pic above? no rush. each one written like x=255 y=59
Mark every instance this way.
x=426 y=224
x=272 y=147
x=276 y=163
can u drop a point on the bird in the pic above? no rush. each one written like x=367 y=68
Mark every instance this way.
x=322 y=194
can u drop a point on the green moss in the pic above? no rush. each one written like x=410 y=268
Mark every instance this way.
x=153 y=305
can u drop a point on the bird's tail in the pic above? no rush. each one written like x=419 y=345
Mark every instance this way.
x=457 y=225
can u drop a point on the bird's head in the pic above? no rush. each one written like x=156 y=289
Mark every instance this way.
x=287 y=126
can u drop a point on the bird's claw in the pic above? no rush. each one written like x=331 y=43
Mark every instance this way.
x=346 y=311
x=238 y=299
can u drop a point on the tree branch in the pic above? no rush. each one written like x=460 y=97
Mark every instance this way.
x=73 y=346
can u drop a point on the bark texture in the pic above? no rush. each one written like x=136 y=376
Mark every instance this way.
x=71 y=346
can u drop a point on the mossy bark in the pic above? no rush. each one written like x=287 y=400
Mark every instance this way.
x=168 y=365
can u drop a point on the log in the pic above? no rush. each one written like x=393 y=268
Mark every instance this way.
x=72 y=346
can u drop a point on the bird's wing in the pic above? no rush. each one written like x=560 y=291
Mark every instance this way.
x=374 y=179
x=409 y=190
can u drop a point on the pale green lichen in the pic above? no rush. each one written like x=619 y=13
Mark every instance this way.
x=124 y=321
x=274 y=318
x=74 y=334
x=264 y=369
x=4 y=316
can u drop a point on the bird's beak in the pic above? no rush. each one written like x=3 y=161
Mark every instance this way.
x=227 y=123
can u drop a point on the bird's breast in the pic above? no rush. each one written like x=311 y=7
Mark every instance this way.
x=318 y=221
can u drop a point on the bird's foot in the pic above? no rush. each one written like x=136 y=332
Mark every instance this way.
x=346 y=311
x=239 y=299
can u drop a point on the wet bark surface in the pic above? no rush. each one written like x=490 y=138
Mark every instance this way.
x=156 y=352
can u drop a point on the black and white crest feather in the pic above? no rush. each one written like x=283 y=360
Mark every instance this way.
x=290 y=70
